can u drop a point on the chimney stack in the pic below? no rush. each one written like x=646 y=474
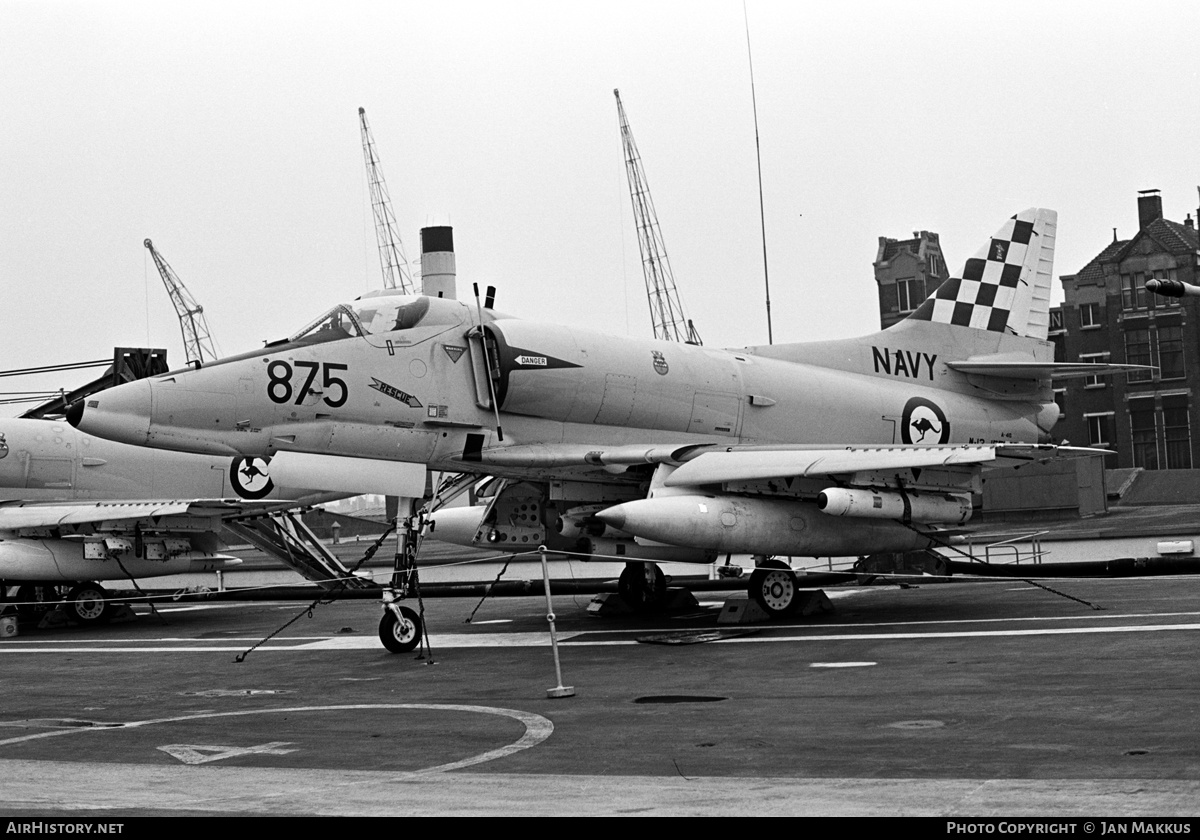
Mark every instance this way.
x=1149 y=207
x=437 y=261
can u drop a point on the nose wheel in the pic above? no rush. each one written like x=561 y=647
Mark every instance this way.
x=400 y=633
x=774 y=587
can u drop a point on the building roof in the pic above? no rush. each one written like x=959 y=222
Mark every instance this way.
x=1173 y=237
x=892 y=247
x=1092 y=273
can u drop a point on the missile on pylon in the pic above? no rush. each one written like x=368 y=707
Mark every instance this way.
x=759 y=526
x=944 y=508
x=1172 y=288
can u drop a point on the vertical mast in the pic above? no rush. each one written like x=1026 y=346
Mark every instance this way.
x=666 y=311
x=391 y=249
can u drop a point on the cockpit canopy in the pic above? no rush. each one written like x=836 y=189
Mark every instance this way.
x=378 y=313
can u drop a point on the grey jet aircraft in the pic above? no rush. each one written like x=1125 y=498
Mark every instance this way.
x=646 y=450
x=77 y=509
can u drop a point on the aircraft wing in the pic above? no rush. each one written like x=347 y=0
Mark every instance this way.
x=759 y=463
x=19 y=515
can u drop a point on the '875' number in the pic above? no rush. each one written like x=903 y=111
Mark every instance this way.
x=279 y=382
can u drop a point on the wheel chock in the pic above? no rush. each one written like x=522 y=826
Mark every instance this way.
x=812 y=602
x=742 y=609
x=677 y=599
x=609 y=603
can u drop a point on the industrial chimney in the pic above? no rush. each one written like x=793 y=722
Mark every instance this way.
x=437 y=261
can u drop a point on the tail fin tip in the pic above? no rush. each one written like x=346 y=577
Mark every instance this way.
x=1005 y=287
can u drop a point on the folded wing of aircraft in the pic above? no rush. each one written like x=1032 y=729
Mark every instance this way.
x=75 y=510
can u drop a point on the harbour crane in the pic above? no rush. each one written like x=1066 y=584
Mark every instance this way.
x=666 y=310
x=391 y=250
x=197 y=341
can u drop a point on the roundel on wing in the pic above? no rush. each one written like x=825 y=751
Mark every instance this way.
x=249 y=477
x=924 y=423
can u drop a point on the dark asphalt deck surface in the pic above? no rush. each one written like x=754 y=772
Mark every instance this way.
x=961 y=698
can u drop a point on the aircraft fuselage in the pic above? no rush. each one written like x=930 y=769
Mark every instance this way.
x=426 y=394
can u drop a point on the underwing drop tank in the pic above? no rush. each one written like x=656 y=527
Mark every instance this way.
x=746 y=525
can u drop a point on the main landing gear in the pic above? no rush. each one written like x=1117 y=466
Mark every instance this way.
x=774 y=587
x=84 y=603
x=643 y=586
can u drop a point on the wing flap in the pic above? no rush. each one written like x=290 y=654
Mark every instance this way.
x=759 y=464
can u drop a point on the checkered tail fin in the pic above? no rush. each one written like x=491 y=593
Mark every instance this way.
x=1005 y=287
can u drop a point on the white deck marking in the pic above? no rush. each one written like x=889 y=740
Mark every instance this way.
x=452 y=641
x=537 y=728
x=204 y=753
x=842 y=664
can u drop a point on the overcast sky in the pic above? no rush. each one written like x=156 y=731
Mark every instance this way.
x=228 y=133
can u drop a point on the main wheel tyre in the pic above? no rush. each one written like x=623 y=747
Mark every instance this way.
x=30 y=602
x=642 y=586
x=88 y=603
x=400 y=635
x=773 y=587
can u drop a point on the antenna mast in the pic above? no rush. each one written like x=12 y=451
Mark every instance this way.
x=197 y=342
x=758 y=155
x=666 y=311
x=391 y=251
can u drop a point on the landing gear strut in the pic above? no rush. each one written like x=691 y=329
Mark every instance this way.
x=642 y=586
x=401 y=627
x=773 y=587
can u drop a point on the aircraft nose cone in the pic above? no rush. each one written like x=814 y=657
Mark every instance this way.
x=75 y=413
x=614 y=517
x=121 y=413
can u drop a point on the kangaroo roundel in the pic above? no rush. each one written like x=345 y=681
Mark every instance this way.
x=923 y=423
x=249 y=477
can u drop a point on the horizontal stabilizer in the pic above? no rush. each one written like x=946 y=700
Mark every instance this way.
x=1036 y=371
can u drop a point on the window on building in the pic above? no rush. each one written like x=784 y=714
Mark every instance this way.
x=1089 y=316
x=908 y=297
x=1170 y=353
x=1133 y=291
x=1177 y=432
x=1094 y=359
x=1099 y=428
x=1144 y=432
x=1060 y=399
x=1137 y=352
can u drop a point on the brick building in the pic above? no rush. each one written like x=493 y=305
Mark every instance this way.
x=906 y=272
x=1108 y=316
